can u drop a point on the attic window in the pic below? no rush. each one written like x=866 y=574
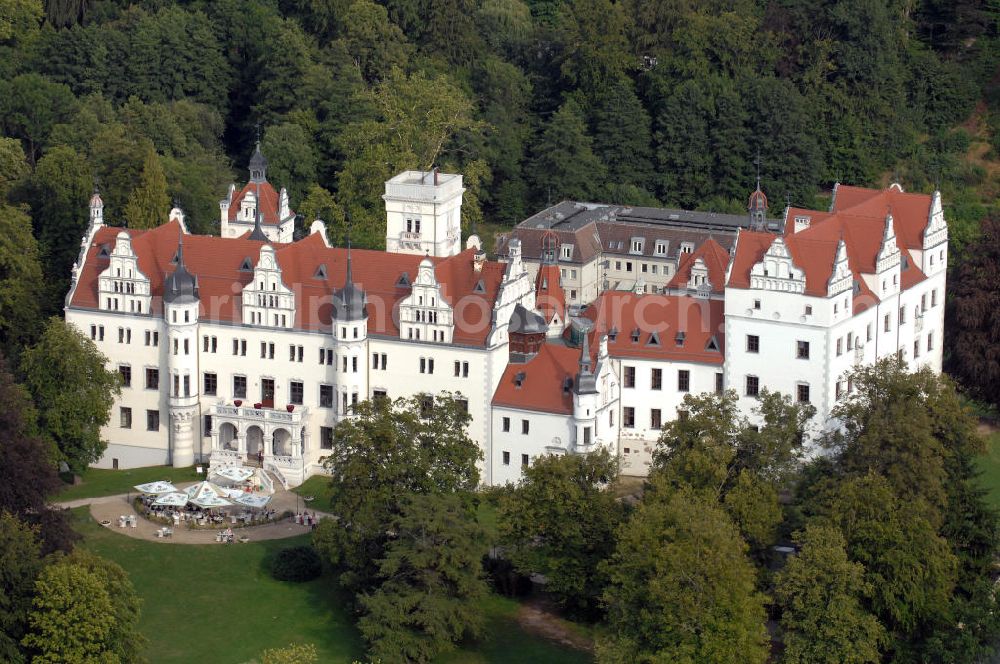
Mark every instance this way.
x=246 y=265
x=654 y=339
x=712 y=344
x=567 y=384
x=320 y=272
x=906 y=262
x=174 y=259
x=635 y=336
x=103 y=251
x=613 y=334
x=480 y=287
x=679 y=339
x=519 y=379
x=404 y=279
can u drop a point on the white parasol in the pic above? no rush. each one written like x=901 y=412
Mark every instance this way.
x=207 y=494
x=172 y=499
x=235 y=473
x=253 y=500
x=155 y=487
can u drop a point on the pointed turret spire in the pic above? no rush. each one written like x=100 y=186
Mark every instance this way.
x=180 y=287
x=350 y=303
x=586 y=381
x=258 y=232
x=258 y=164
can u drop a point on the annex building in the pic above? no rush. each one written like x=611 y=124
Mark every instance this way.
x=255 y=343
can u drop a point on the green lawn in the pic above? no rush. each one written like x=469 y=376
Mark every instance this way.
x=218 y=603
x=103 y=482
x=317 y=486
x=989 y=464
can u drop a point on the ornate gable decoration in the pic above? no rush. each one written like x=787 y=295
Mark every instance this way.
x=424 y=314
x=936 y=231
x=122 y=286
x=516 y=288
x=888 y=253
x=698 y=281
x=777 y=271
x=266 y=299
x=841 y=279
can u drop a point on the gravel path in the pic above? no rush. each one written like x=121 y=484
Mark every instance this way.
x=109 y=508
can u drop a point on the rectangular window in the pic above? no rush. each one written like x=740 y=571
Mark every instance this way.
x=204 y=344
x=923 y=302
x=809 y=310
x=802 y=350
x=840 y=346
x=152 y=420
x=121 y=335
x=126 y=373
x=291 y=353
x=458 y=369
x=629 y=378
x=656 y=379
x=326 y=396
x=934 y=298
x=423 y=365
x=187 y=385
x=243 y=347
x=887 y=323
x=125 y=417
x=719 y=383
x=379 y=394
x=525 y=427
x=211 y=384
x=506 y=458
x=263 y=350
x=683 y=380
x=295 y=392
x=756 y=304
x=465 y=369
x=236 y=346
x=270 y=351
x=326 y=438
x=152 y=379
x=148 y=336
x=850 y=340
x=902 y=315
x=916 y=348
x=187 y=347
x=868 y=332
x=354 y=364
x=239 y=387
x=100 y=333
x=505 y=423
x=930 y=341
x=753 y=343
x=655 y=419
x=207 y=426
x=524 y=460
x=753 y=386
x=430 y=365
x=802 y=392
x=628 y=417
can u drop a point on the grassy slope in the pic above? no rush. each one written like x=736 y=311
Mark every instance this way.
x=989 y=464
x=102 y=482
x=219 y=604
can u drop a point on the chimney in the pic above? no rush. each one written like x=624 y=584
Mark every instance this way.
x=478 y=260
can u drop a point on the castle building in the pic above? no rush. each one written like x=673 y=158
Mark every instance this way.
x=251 y=343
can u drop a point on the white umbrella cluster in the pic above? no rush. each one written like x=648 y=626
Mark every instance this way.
x=154 y=488
x=207 y=495
x=235 y=474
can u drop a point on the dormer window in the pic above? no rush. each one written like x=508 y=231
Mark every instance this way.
x=404 y=280
x=320 y=272
x=246 y=265
x=660 y=248
x=635 y=336
x=687 y=247
x=679 y=339
x=480 y=287
x=103 y=251
x=712 y=345
x=637 y=245
x=613 y=334
x=566 y=252
x=654 y=339
x=519 y=379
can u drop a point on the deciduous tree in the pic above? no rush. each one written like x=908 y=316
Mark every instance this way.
x=431 y=581
x=681 y=588
x=73 y=390
x=385 y=453
x=148 y=204
x=560 y=522
x=20 y=563
x=821 y=594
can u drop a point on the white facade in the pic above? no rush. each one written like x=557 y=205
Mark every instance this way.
x=238 y=365
x=423 y=212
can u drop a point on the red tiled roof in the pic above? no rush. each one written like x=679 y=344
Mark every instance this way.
x=542 y=385
x=216 y=263
x=550 y=299
x=659 y=319
x=859 y=219
x=909 y=211
x=716 y=259
x=268 y=203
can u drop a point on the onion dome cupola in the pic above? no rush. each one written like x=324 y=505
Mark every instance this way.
x=349 y=302
x=181 y=287
x=258 y=165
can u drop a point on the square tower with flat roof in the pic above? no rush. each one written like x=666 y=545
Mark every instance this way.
x=423 y=212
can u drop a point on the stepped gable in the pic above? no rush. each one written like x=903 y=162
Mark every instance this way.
x=716 y=259
x=659 y=321
x=543 y=381
x=218 y=262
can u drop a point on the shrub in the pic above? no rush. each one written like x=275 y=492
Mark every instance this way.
x=299 y=563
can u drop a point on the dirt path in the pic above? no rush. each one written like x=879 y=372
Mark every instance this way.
x=534 y=617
